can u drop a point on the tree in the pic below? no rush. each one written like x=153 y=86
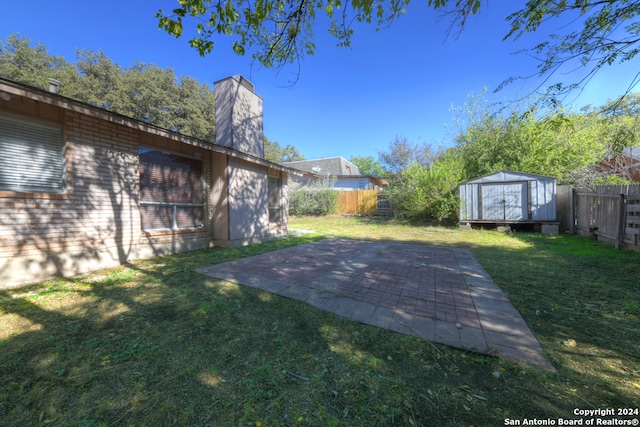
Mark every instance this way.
x=563 y=144
x=609 y=32
x=21 y=62
x=402 y=153
x=280 y=31
x=429 y=192
x=275 y=153
x=367 y=165
x=144 y=91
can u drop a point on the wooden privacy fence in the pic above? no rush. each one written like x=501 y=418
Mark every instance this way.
x=605 y=215
x=360 y=202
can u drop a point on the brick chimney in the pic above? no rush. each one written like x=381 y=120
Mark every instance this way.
x=239 y=116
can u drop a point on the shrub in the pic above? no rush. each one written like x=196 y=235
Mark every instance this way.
x=315 y=199
x=428 y=192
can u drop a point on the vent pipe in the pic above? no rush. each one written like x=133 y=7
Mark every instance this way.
x=54 y=85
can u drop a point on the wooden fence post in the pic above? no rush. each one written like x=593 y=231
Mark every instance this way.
x=622 y=213
x=574 y=211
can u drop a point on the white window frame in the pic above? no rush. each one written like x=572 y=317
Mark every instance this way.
x=32 y=156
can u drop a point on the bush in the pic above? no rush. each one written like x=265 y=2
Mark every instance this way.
x=428 y=192
x=313 y=200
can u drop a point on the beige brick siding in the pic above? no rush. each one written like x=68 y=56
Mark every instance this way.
x=97 y=222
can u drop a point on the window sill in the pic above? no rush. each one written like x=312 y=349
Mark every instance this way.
x=22 y=195
x=168 y=232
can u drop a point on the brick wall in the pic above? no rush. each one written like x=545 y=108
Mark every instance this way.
x=96 y=223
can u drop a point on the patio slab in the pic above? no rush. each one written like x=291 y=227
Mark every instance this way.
x=439 y=294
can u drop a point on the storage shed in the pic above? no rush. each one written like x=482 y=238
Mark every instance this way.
x=508 y=197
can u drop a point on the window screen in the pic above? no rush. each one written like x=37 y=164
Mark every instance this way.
x=171 y=191
x=31 y=156
x=275 y=207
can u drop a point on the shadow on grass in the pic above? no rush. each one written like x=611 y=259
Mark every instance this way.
x=154 y=343
x=580 y=297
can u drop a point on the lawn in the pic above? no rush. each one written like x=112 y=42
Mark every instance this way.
x=154 y=343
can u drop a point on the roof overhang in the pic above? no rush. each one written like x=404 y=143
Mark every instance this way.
x=9 y=89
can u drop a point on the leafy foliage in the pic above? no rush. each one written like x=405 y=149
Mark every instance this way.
x=608 y=33
x=429 y=192
x=280 y=32
x=144 y=91
x=275 y=153
x=567 y=145
x=367 y=165
x=557 y=143
x=316 y=199
x=402 y=153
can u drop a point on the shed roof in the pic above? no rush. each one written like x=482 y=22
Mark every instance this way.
x=507 y=176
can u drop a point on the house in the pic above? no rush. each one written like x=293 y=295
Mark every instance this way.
x=341 y=174
x=626 y=164
x=82 y=188
x=508 y=198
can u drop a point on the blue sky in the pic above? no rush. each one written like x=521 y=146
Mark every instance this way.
x=403 y=80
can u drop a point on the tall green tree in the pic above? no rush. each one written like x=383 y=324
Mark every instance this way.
x=367 y=165
x=553 y=146
x=402 y=152
x=559 y=143
x=143 y=91
x=98 y=81
x=31 y=65
x=275 y=153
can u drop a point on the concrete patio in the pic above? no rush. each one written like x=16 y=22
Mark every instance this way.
x=439 y=294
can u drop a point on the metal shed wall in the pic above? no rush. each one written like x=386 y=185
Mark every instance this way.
x=508 y=196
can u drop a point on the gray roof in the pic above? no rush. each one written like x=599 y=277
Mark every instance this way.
x=507 y=176
x=333 y=166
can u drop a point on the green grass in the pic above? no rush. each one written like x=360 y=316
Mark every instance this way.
x=155 y=343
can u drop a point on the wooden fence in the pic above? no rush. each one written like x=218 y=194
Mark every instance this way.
x=360 y=202
x=610 y=213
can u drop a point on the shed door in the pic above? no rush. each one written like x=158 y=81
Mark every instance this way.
x=504 y=201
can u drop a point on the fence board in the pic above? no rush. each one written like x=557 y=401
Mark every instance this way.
x=565 y=208
x=359 y=202
x=609 y=213
x=348 y=202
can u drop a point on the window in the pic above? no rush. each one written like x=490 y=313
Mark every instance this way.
x=171 y=191
x=31 y=156
x=275 y=196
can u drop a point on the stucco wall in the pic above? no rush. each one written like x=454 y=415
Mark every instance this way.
x=238 y=117
x=248 y=204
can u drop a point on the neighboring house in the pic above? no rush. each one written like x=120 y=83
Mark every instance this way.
x=82 y=188
x=340 y=173
x=626 y=165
